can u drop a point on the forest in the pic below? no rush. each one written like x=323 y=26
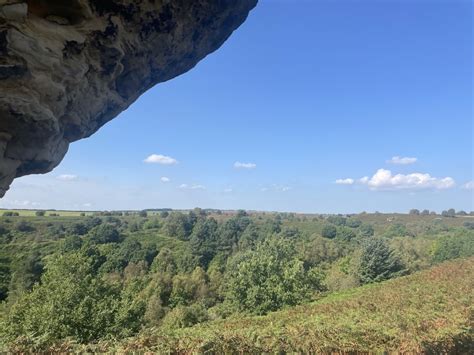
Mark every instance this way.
x=182 y=281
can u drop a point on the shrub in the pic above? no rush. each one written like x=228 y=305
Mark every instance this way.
x=104 y=233
x=345 y=233
x=452 y=247
x=69 y=302
x=468 y=225
x=366 y=230
x=353 y=223
x=185 y=316
x=329 y=231
x=337 y=220
x=24 y=226
x=269 y=278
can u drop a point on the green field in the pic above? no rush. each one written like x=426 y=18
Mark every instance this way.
x=32 y=213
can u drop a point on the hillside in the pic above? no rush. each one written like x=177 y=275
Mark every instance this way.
x=430 y=311
x=246 y=282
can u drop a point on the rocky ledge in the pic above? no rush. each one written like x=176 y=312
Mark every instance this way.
x=68 y=67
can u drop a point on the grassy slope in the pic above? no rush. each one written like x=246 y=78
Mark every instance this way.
x=431 y=311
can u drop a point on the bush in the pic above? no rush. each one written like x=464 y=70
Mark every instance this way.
x=104 y=233
x=183 y=317
x=329 y=231
x=24 y=226
x=269 y=278
x=353 y=223
x=337 y=220
x=69 y=302
x=366 y=230
x=452 y=247
x=345 y=233
x=10 y=214
x=468 y=225
x=40 y=213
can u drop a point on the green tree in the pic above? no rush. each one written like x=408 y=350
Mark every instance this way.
x=24 y=226
x=177 y=226
x=353 y=223
x=378 y=262
x=345 y=233
x=453 y=246
x=203 y=240
x=366 y=230
x=329 y=231
x=40 y=213
x=269 y=278
x=69 y=302
x=25 y=273
x=104 y=233
x=337 y=220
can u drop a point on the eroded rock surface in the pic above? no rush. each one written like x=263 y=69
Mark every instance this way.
x=68 y=67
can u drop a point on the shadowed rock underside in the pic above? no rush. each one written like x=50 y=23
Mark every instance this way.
x=68 y=67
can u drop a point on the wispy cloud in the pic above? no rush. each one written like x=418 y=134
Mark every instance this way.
x=468 y=185
x=239 y=165
x=160 y=159
x=347 y=181
x=276 y=187
x=192 y=187
x=165 y=179
x=66 y=177
x=402 y=160
x=228 y=190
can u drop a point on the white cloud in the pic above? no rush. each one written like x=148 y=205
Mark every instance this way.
x=364 y=180
x=469 y=185
x=192 y=187
x=347 y=181
x=165 y=179
x=384 y=180
x=66 y=177
x=198 y=187
x=402 y=160
x=239 y=165
x=228 y=190
x=160 y=159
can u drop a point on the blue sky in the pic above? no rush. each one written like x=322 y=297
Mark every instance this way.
x=312 y=100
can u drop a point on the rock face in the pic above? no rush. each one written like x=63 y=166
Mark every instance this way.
x=68 y=67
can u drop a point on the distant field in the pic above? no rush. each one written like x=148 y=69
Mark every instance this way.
x=428 y=312
x=30 y=213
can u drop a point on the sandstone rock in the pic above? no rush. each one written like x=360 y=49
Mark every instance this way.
x=68 y=67
x=14 y=12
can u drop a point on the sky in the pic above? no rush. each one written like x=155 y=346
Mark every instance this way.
x=310 y=106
